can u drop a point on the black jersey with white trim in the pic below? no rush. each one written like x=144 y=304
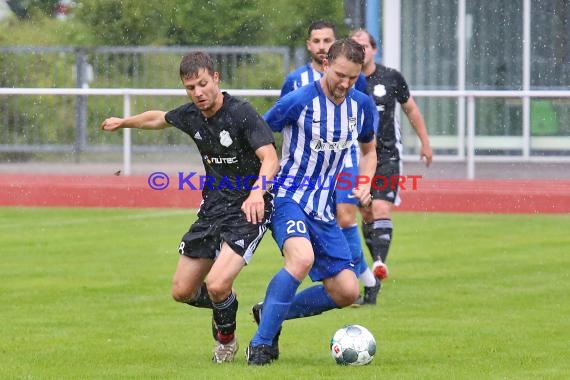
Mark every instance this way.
x=227 y=143
x=387 y=86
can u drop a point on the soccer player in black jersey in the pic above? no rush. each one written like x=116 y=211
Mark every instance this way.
x=235 y=143
x=387 y=86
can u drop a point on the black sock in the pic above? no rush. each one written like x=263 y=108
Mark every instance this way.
x=202 y=299
x=225 y=318
x=378 y=236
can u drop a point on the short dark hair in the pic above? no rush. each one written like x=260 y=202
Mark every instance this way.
x=315 y=25
x=193 y=62
x=371 y=39
x=347 y=48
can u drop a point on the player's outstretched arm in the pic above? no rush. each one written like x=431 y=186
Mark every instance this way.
x=145 y=120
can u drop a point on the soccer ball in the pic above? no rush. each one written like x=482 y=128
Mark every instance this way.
x=353 y=345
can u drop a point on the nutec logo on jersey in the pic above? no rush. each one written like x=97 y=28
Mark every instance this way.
x=221 y=160
x=225 y=138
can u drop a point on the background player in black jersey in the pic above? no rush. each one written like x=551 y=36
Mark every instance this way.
x=235 y=142
x=387 y=86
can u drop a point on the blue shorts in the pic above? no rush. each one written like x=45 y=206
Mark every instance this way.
x=346 y=181
x=331 y=250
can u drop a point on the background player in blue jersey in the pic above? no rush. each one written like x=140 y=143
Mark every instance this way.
x=320 y=36
x=319 y=123
x=235 y=142
x=387 y=86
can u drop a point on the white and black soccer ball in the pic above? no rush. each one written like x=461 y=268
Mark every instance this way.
x=353 y=345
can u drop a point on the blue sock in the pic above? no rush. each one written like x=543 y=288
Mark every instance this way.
x=310 y=301
x=353 y=238
x=280 y=292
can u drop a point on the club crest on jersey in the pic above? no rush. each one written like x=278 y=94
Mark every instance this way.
x=379 y=90
x=352 y=123
x=225 y=138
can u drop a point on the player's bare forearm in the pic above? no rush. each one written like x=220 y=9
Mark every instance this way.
x=417 y=121
x=254 y=206
x=366 y=170
x=426 y=153
x=145 y=120
x=367 y=165
x=269 y=166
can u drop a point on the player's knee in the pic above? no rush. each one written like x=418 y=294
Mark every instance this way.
x=179 y=296
x=299 y=257
x=180 y=293
x=218 y=290
x=344 y=296
x=299 y=266
x=348 y=296
x=345 y=220
x=346 y=214
x=381 y=209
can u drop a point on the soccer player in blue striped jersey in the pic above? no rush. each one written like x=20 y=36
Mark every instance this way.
x=320 y=36
x=319 y=123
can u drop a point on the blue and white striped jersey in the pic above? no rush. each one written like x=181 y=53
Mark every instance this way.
x=317 y=136
x=305 y=75
x=299 y=78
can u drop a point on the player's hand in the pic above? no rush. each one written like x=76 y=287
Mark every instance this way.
x=254 y=207
x=426 y=155
x=362 y=193
x=111 y=124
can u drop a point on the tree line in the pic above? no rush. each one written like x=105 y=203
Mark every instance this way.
x=167 y=22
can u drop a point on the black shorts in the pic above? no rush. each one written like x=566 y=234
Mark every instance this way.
x=385 y=182
x=205 y=237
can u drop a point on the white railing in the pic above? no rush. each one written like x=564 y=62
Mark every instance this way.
x=465 y=144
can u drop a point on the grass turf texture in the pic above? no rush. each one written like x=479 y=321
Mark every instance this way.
x=85 y=293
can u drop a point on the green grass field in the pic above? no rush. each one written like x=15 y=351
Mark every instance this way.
x=85 y=293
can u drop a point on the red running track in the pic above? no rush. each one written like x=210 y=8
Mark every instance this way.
x=484 y=196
